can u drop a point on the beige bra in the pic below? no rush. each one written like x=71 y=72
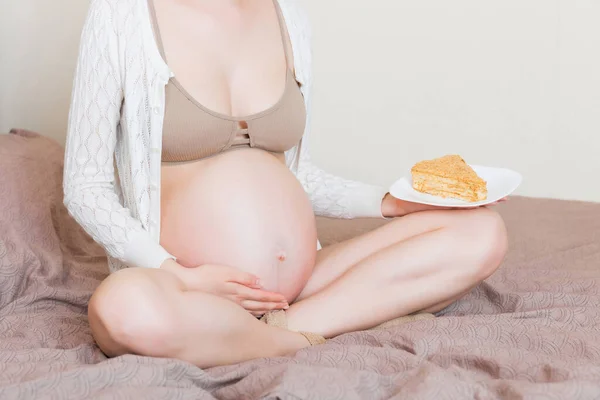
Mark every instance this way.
x=193 y=132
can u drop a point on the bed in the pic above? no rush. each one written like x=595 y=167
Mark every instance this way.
x=530 y=331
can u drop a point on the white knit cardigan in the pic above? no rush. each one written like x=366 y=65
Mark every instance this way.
x=115 y=120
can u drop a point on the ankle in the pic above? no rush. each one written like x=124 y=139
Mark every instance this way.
x=293 y=340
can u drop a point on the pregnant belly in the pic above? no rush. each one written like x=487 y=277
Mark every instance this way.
x=243 y=209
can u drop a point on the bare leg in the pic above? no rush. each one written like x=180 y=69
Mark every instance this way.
x=147 y=312
x=423 y=261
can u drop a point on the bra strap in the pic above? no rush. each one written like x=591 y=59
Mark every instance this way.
x=282 y=30
x=156 y=29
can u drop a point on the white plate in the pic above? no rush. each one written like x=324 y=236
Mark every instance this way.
x=501 y=182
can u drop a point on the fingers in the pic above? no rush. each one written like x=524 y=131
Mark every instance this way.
x=245 y=278
x=259 y=308
x=502 y=200
x=246 y=293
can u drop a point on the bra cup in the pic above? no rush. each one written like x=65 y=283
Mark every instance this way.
x=190 y=133
x=282 y=129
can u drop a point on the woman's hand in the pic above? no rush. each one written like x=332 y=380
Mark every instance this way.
x=393 y=207
x=231 y=283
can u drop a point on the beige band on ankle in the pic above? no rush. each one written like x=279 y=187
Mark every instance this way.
x=275 y=318
x=313 y=338
x=279 y=319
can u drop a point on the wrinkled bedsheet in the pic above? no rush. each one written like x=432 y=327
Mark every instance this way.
x=531 y=331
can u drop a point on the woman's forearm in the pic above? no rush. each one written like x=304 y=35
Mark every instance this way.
x=338 y=197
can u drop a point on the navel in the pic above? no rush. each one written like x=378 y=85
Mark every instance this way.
x=281 y=256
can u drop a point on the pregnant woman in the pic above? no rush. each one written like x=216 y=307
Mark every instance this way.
x=187 y=160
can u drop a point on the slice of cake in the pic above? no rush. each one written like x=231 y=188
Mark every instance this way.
x=449 y=176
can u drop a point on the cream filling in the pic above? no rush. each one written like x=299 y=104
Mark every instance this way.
x=447 y=187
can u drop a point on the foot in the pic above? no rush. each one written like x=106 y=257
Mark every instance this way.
x=278 y=319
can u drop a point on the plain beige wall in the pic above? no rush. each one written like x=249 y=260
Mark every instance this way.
x=512 y=83
x=38 y=49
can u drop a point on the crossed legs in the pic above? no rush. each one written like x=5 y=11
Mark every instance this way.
x=421 y=262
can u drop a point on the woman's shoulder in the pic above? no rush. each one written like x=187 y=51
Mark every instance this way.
x=122 y=20
x=117 y=11
x=115 y=5
x=297 y=15
x=111 y=6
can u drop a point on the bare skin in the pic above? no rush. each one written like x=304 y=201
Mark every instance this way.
x=423 y=261
x=214 y=46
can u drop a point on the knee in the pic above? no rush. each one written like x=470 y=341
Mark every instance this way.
x=487 y=241
x=128 y=314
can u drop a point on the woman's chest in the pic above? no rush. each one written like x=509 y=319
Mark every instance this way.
x=230 y=59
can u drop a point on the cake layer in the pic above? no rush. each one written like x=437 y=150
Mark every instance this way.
x=451 y=166
x=447 y=187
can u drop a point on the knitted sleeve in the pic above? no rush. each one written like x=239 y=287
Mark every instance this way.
x=89 y=175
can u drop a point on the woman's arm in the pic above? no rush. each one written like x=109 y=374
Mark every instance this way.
x=89 y=175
